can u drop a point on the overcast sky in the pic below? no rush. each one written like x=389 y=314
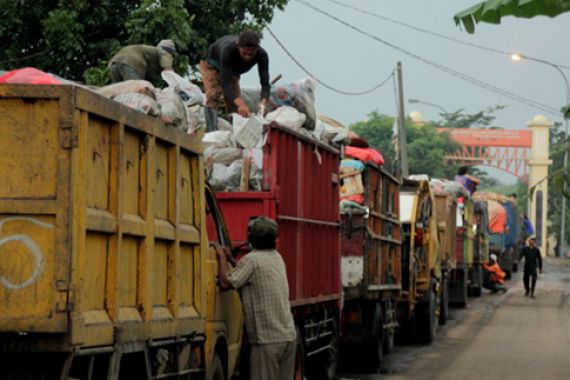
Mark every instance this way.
x=350 y=61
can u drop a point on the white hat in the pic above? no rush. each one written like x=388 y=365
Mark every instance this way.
x=493 y=257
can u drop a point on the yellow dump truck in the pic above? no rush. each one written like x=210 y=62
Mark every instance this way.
x=105 y=266
x=419 y=303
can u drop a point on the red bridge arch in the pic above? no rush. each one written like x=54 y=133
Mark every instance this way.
x=504 y=149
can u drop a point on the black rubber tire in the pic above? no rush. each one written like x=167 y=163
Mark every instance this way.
x=444 y=302
x=462 y=289
x=217 y=372
x=427 y=323
x=332 y=357
x=477 y=290
x=388 y=341
x=515 y=266
x=300 y=373
x=508 y=275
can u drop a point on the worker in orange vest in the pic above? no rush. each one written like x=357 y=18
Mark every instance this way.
x=494 y=277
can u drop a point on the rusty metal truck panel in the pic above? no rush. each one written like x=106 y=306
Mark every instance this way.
x=101 y=215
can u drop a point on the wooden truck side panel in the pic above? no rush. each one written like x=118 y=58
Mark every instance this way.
x=124 y=195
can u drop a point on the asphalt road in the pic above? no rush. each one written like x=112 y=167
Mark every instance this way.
x=505 y=336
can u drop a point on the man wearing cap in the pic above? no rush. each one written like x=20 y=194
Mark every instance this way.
x=261 y=278
x=494 y=276
x=532 y=261
x=221 y=67
x=142 y=61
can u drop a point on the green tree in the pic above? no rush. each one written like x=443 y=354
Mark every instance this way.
x=459 y=119
x=75 y=38
x=426 y=147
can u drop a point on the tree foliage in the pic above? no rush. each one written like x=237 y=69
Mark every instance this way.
x=76 y=38
x=426 y=147
x=459 y=119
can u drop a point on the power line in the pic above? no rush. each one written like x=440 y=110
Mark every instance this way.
x=343 y=92
x=435 y=34
x=445 y=69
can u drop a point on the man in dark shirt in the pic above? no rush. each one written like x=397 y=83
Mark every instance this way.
x=221 y=67
x=532 y=261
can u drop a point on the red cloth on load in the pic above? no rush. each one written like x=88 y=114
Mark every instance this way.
x=365 y=154
x=497 y=217
x=28 y=75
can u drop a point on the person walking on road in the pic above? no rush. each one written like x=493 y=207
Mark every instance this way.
x=261 y=278
x=532 y=261
x=494 y=276
x=142 y=61
x=221 y=67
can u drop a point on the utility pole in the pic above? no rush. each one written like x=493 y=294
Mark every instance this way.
x=401 y=123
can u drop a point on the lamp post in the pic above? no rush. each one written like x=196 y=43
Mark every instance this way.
x=416 y=101
x=519 y=57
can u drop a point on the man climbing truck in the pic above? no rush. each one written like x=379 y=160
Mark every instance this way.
x=421 y=260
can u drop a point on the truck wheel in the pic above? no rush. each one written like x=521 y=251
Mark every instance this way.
x=462 y=289
x=444 y=305
x=515 y=267
x=217 y=372
x=331 y=357
x=299 y=357
x=373 y=353
x=427 y=319
x=388 y=341
x=477 y=290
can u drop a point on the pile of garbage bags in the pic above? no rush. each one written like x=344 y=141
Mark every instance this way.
x=179 y=105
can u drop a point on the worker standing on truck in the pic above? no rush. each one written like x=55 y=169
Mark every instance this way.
x=261 y=278
x=142 y=61
x=494 y=276
x=532 y=261
x=221 y=67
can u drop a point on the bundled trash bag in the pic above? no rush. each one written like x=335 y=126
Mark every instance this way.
x=299 y=95
x=172 y=110
x=225 y=155
x=226 y=178
x=247 y=130
x=189 y=93
x=287 y=117
x=219 y=139
x=28 y=75
x=141 y=102
x=130 y=86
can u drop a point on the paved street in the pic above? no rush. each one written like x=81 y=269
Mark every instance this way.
x=497 y=337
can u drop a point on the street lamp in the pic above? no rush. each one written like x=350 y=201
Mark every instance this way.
x=518 y=57
x=416 y=101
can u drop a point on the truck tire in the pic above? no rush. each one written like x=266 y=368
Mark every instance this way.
x=427 y=319
x=477 y=290
x=459 y=294
x=218 y=371
x=299 y=357
x=388 y=341
x=324 y=366
x=444 y=301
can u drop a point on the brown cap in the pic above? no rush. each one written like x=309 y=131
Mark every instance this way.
x=262 y=226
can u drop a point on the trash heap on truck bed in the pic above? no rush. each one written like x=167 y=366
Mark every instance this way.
x=234 y=153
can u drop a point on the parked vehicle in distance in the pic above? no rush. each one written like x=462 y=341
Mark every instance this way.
x=421 y=260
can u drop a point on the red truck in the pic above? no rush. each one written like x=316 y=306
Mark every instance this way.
x=371 y=271
x=300 y=190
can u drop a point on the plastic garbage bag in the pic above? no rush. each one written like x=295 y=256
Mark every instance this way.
x=287 y=116
x=219 y=139
x=172 y=110
x=224 y=155
x=129 y=86
x=188 y=91
x=299 y=95
x=247 y=130
x=140 y=102
x=226 y=178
